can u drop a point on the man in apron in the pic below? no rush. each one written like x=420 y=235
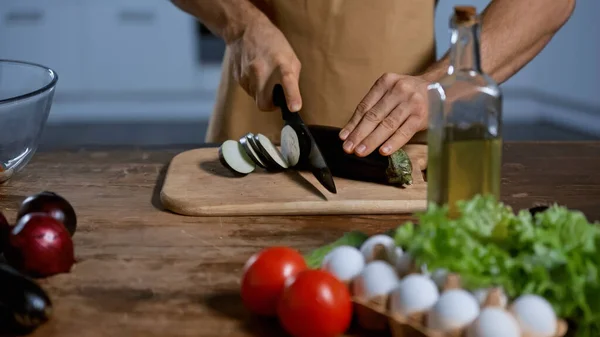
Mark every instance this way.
x=328 y=53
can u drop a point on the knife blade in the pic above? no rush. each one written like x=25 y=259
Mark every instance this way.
x=316 y=162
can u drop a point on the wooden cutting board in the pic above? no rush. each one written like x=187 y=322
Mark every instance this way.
x=196 y=184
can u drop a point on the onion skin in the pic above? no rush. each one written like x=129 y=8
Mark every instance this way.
x=52 y=204
x=40 y=246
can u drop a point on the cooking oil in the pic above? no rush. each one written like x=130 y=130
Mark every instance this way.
x=469 y=164
x=465 y=124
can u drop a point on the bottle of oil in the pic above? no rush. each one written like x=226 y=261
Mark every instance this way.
x=465 y=122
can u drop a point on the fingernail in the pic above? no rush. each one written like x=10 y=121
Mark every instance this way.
x=295 y=107
x=344 y=134
x=361 y=149
x=386 y=149
x=348 y=146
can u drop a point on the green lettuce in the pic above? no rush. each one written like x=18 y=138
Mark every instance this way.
x=315 y=258
x=554 y=254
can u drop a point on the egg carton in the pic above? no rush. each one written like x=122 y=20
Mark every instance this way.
x=374 y=315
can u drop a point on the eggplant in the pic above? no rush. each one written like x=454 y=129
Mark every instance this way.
x=262 y=154
x=270 y=152
x=233 y=156
x=395 y=169
x=247 y=143
x=294 y=143
x=24 y=305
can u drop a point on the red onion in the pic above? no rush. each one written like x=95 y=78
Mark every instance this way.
x=52 y=204
x=39 y=245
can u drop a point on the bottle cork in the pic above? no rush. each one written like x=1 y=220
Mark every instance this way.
x=465 y=14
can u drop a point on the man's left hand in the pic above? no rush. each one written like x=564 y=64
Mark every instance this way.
x=393 y=110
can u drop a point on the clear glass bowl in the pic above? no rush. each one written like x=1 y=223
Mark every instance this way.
x=26 y=95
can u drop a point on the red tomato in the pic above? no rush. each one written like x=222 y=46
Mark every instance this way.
x=265 y=274
x=315 y=304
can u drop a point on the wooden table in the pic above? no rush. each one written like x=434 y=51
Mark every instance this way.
x=145 y=272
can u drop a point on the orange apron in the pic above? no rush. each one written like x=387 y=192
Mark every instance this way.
x=344 y=46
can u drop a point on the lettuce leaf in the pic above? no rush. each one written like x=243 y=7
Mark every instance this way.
x=315 y=258
x=554 y=254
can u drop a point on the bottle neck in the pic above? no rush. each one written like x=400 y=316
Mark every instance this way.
x=464 y=49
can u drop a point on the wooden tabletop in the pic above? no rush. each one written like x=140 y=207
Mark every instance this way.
x=142 y=271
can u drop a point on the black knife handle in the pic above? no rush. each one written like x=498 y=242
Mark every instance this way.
x=279 y=101
x=279 y=96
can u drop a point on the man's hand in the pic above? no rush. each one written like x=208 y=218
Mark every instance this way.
x=396 y=108
x=390 y=114
x=262 y=58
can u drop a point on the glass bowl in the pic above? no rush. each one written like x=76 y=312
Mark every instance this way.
x=26 y=95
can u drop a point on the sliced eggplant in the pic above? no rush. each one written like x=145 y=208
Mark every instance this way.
x=24 y=305
x=395 y=169
x=295 y=146
x=250 y=151
x=268 y=150
x=233 y=156
x=290 y=145
x=269 y=163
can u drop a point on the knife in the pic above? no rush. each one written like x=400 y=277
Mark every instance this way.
x=316 y=162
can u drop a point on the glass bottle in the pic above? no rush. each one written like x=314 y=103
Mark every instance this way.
x=465 y=121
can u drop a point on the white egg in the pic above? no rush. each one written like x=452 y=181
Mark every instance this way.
x=494 y=322
x=398 y=253
x=535 y=315
x=414 y=294
x=439 y=276
x=404 y=263
x=377 y=278
x=482 y=294
x=344 y=262
x=455 y=309
x=387 y=241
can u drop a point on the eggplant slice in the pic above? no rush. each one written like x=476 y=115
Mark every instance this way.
x=295 y=145
x=290 y=145
x=267 y=149
x=270 y=164
x=233 y=156
x=246 y=143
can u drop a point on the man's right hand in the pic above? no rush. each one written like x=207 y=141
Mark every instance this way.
x=262 y=58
